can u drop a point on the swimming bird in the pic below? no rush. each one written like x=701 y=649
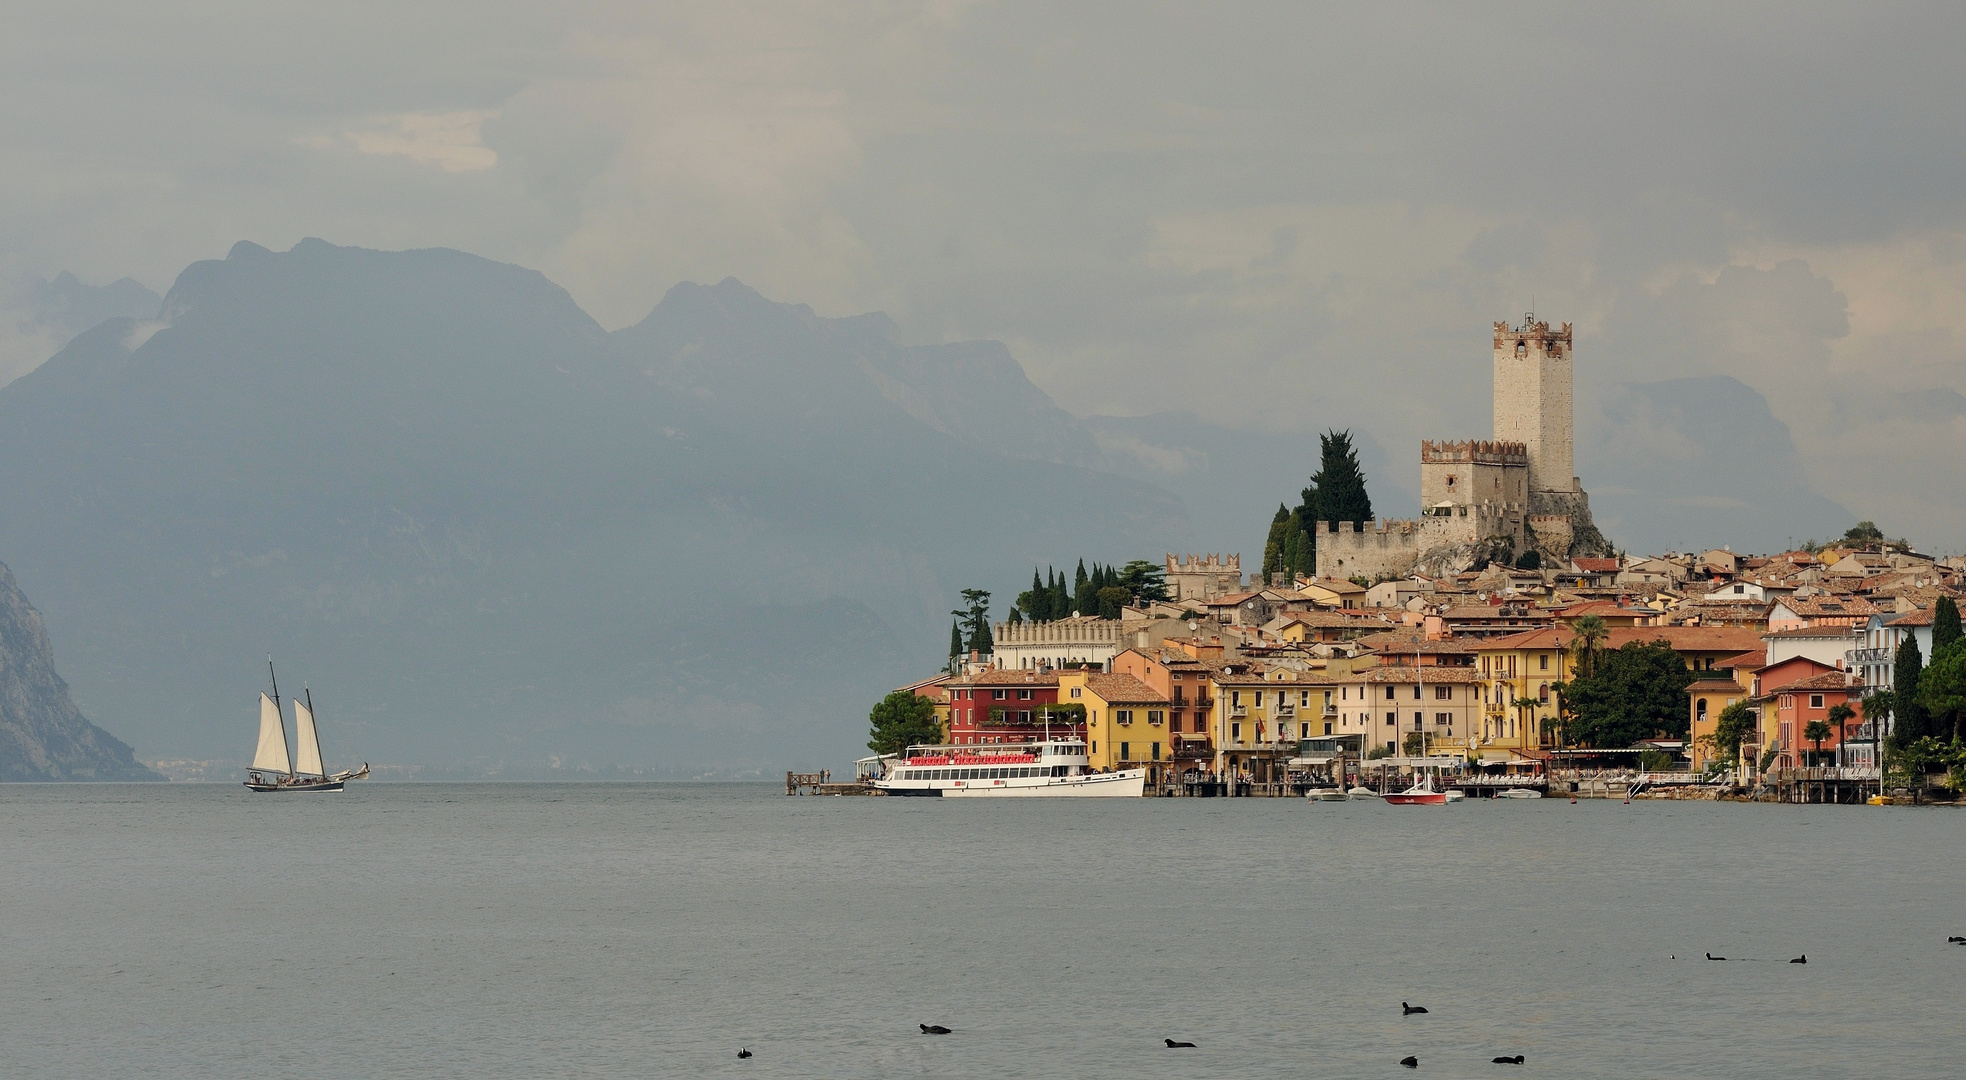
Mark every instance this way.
x=1409 y=1010
x=743 y=1053
x=1803 y=959
x=1171 y=1044
x=934 y=1029
x=1516 y=1060
x=1711 y=956
x=1956 y=940
x=1410 y=1062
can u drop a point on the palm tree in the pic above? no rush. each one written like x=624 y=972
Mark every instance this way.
x=1590 y=634
x=1840 y=714
x=1525 y=707
x=1816 y=732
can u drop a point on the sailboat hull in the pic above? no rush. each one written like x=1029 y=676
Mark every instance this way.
x=306 y=785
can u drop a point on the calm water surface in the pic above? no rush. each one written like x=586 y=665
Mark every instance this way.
x=631 y=931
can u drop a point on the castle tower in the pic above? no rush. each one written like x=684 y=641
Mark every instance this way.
x=1532 y=400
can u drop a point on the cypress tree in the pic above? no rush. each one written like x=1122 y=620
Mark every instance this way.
x=1945 y=625
x=1337 y=492
x=1910 y=715
x=955 y=640
x=1040 y=598
x=1061 y=601
x=1273 y=547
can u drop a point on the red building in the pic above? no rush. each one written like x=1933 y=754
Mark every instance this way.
x=999 y=706
x=1792 y=697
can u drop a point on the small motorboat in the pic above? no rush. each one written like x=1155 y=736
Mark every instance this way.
x=1519 y=793
x=1361 y=794
x=1422 y=793
x=1326 y=794
x=1455 y=795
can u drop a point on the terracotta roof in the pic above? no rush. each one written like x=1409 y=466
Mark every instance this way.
x=1746 y=661
x=1123 y=689
x=1809 y=632
x=1596 y=566
x=1389 y=673
x=1830 y=606
x=1921 y=617
x=1009 y=677
x=1828 y=680
x=1230 y=599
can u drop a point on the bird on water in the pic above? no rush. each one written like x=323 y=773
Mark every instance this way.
x=1803 y=959
x=1711 y=956
x=1409 y=1010
x=1410 y=1062
x=743 y=1053
x=1516 y=1060
x=1172 y=1044
x=1956 y=940
x=934 y=1029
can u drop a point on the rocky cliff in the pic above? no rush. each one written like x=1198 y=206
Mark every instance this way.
x=43 y=736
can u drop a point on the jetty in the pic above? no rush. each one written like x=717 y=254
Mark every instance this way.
x=821 y=783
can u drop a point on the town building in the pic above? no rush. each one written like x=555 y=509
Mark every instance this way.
x=1125 y=720
x=994 y=705
x=1385 y=704
x=1194 y=579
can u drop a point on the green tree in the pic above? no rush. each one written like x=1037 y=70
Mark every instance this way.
x=1339 y=483
x=1636 y=692
x=1531 y=560
x=1732 y=728
x=1146 y=581
x=1816 y=731
x=1588 y=644
x=955 y=645
x=1942 y=691
x=1111 y=599
x=1865 y=532
x=1414 y=745
x=1945 y=625
x=975 y=620
x=901 y=720
x=1273 y=547
x=1908 y=714
x=1061 y=600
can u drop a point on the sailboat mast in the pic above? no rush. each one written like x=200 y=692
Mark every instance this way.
x=276 y=703
x=316 y=725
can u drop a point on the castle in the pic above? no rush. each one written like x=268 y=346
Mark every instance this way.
x=1487 y=498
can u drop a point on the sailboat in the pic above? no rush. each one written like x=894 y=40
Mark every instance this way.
x=273 y=769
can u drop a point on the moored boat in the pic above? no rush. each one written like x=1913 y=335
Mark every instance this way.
x=1422 y=793
x=1519 y=793
x=1050 y=768
x=1326 y=794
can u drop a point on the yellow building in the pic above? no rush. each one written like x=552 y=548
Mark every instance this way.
x=1245 y=723
x=1125 y=719
x=1522 y=667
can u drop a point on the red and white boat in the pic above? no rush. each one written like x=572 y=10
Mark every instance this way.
x=1049 y=769
x=1422 y=793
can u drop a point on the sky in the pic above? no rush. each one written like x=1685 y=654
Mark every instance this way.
x=1283 y=215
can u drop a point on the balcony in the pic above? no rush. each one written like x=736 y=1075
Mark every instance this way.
x=1286 y=709
x=1860 y=657
x=1238 y=711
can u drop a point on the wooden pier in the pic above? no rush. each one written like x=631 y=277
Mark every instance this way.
x=1847 y=785
x=820 y=783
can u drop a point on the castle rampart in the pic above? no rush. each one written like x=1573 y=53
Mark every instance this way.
x=1194 y=577
x=1472 y=451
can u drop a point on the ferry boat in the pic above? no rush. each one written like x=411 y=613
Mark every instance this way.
x=1050 y=768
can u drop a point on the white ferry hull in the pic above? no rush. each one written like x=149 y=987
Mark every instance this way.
x=1117 y=785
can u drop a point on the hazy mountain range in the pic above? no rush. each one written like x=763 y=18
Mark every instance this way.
x=493 y=536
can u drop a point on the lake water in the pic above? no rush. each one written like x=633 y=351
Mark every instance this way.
x=633 y=931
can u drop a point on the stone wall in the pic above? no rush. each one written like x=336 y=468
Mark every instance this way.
x=1195 y=577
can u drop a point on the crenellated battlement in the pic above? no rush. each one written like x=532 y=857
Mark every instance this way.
x=1197 y=577
x=1473 y=451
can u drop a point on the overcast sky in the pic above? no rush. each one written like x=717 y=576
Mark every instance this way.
x=1282 y=214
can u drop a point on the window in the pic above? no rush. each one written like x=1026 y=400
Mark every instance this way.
x=1122 y=716
x=1235 y=732
x=1304 y=698
x=998 y=695
x=1304 y=731
x=1815 y=701
x=1443 y=693
x=1442 y=719
x=1392 y=719
x=1154 y=716
x=1543 y=661
x=1418 y=719
x=1543 y=693
x=1416 y=691
x=1024 y=716
x=1700 y=709
x=1023 y=695
x=1126 y=751
x=1389 y=693
x=1156 y=751
x=1075 y=691
x=1235 y=699
x=1327 y=727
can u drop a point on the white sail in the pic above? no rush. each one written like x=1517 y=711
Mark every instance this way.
x=307 y=746
x=272 y=753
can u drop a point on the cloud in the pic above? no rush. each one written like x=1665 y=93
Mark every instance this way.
x=451 y=141
x=1285 y=216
